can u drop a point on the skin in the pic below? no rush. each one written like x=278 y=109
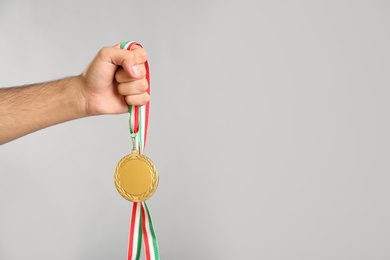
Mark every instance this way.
x=114 y=79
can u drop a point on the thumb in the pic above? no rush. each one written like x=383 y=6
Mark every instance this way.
x=129 y=60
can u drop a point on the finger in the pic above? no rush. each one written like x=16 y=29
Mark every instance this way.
x=138 y=100
x=122 y=76
x=133 y=88
x=127 y=59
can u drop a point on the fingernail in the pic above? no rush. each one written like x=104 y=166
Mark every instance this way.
x=135 y=71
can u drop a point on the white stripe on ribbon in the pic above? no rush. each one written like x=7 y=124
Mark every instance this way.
x=137 y=228
x=148 y=232
x=128 y=44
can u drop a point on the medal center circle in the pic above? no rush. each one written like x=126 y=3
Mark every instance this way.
x=135 y=177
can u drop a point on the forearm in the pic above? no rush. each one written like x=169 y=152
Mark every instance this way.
x=29 y=108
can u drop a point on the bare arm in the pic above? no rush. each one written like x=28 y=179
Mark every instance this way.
x=26 y=109
x=114 y=79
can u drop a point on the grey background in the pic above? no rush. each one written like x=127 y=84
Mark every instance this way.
x=269 y=127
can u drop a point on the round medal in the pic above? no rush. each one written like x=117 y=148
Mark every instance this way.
x=136 y=177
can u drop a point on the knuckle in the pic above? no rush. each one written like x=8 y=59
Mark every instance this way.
x=145 y=55
x=129 y=100
x=104 y=52
x=129 y=57
x=142 y=54
x=144 y=84
x=146 y=98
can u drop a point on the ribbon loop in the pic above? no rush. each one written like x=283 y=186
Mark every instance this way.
x=139 y=115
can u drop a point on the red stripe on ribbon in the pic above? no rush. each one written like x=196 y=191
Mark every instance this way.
x=148 y=104
x=132 y=225
x=145 y=234
x=136 y=108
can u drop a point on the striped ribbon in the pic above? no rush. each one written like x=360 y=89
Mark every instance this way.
x=141 y=225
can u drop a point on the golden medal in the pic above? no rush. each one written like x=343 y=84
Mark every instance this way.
x=136 y=177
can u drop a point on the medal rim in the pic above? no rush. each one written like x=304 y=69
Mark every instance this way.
x=152 y=170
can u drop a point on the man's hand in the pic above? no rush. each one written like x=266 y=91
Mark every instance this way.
x=114 y=80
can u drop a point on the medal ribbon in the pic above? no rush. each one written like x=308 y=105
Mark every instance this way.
x=141 y=225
